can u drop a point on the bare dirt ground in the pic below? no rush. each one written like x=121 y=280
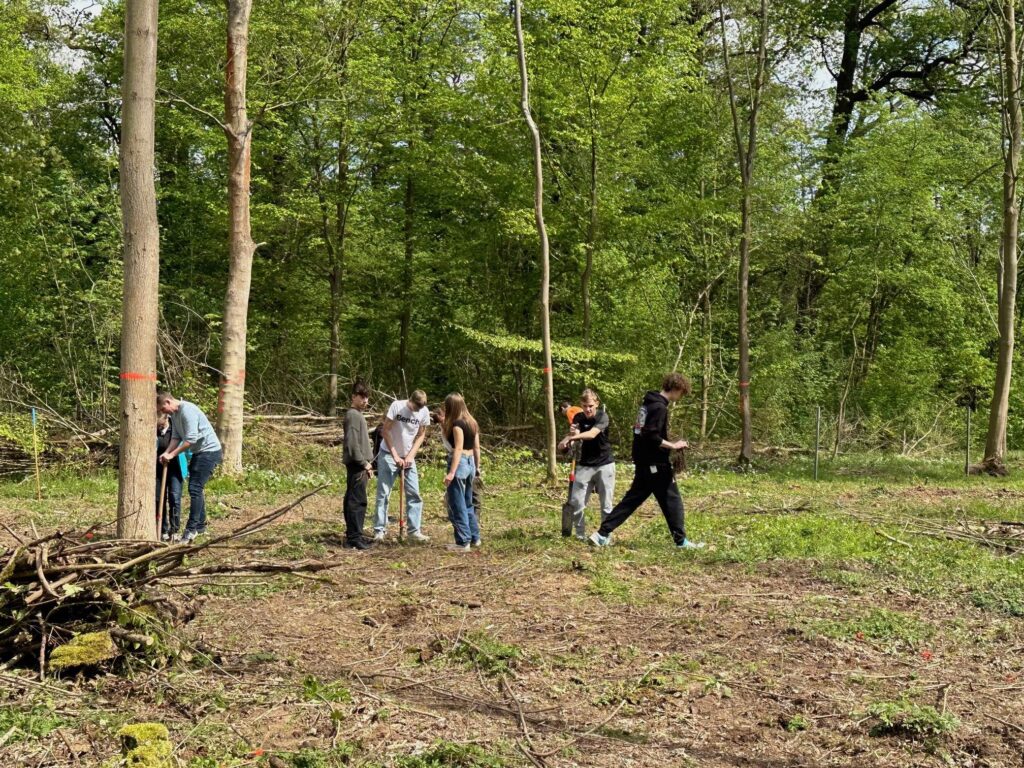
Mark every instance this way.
x=544 y=652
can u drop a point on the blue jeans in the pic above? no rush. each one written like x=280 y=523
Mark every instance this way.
x=199 y=471
x=169 y=518
x=459 y=496
x=387 y=475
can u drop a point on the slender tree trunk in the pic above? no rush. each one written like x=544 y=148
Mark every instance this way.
x=995 y=442
x=538 y=210
x=588 y=268
x=746 y=156
x=240 y=243
x=136 y=498
x=706 y=369
x=409 y=207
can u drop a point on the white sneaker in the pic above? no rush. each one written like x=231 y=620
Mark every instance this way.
x=379 y=535
x=419 y=537
x=477 y=543
x=165 y=537
x=188 y=537
x=458 y=548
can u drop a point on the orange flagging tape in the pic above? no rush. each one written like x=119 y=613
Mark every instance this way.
x=132 y=376
x=545 y=370
x=744 y=383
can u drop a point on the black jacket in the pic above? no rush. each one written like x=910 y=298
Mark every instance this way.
x=650 y=428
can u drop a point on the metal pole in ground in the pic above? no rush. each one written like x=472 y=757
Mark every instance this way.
x=967 y=449
x=817 y=441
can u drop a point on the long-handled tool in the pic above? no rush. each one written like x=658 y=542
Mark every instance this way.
x=35 y=451
x=567 y=509
x=401 y=503
x=160 y=509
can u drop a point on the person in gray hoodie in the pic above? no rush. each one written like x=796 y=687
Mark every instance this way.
x=357 y=453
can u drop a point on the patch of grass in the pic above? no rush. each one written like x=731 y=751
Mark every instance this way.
x=314 y=689
x=1001 y=597
x=493 y=657
x=795 y=723
x=608 y=585
x=343 y=754
x=904 y=717
x=33 y=722
x=447 y=754
x=879 y=624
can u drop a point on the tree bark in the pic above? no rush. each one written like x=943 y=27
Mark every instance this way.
x=240 y=244
x=538 y=212
x=136 y=498
x=409 y=208
x=995 y=442
x=588 y=268
x=746 y=156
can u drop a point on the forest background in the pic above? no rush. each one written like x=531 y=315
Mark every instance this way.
x=392 y=203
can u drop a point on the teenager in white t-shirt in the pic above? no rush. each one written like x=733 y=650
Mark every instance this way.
x=402 y=434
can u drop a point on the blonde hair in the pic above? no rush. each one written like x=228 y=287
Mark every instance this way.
x=455 y=410
x=589 y=394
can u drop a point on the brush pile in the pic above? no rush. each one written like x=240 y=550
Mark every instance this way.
x=69 y=600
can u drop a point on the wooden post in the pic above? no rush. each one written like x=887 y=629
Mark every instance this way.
x=35 y=450
x=817 y=441
x=967 y=447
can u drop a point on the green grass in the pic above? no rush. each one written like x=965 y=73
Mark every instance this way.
x=491 y=656
x=877 y=624
x=28 y=723
x=906 y=718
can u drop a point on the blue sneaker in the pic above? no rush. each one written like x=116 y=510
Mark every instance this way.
x=598 y=540
x=687 y=544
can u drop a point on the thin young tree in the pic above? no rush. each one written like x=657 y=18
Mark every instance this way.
x=995 y=442
x=746 y=153
x=542 y=232
x=238 y=129
x=137 y=464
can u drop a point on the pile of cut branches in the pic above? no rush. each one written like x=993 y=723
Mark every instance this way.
x=76 y=599
x=1002 y=535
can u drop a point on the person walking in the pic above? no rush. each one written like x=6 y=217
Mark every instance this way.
x=595 y=468
x=462 y=434
x=357 y=454
x=653 y=474
x=402 y=434
x=191 y=431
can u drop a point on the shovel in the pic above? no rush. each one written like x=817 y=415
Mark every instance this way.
x=401 y=503
x=567 y=507
x=160 y=513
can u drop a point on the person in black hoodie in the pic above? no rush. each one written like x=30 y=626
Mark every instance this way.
x=168 y=518
x=653 y=468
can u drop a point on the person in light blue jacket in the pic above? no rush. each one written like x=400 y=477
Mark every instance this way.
x=191 y=431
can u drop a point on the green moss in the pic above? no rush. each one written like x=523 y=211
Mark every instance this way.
x=146 y=745
x=84 y=650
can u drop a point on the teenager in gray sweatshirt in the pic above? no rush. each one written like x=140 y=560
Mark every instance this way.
x=357 y=453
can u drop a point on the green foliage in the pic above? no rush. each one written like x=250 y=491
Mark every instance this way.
x=314 y=689
x=904 y=717
x=31 y=722
x=446 y=754
x=488 y=654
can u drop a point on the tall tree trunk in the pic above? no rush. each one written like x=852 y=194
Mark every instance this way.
x=746 y=156
x=409 y=207
x=337 y=276
x=240 y=245
x=995 y=442
x=136 y=497
x=706 y=370
x=588 y=268
x=538 y=212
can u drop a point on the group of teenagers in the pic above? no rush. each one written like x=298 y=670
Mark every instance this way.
x=405 y=427
x=187 y=447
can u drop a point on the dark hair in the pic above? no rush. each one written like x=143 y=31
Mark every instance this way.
x=359 y=388
x=163 y=396
x=675 y=382
x=564 y=406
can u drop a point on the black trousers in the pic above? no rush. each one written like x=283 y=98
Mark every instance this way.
x=354 y=505
x=660 y=483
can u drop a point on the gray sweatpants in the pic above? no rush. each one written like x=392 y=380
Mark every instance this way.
x=589 y=479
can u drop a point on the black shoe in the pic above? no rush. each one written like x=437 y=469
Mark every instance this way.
x=358 y=544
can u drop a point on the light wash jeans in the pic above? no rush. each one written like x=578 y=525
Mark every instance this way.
x=387 y=476
x=459 y=495
x=589 y=479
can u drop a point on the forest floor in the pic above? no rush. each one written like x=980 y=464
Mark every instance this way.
x=820 y=627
